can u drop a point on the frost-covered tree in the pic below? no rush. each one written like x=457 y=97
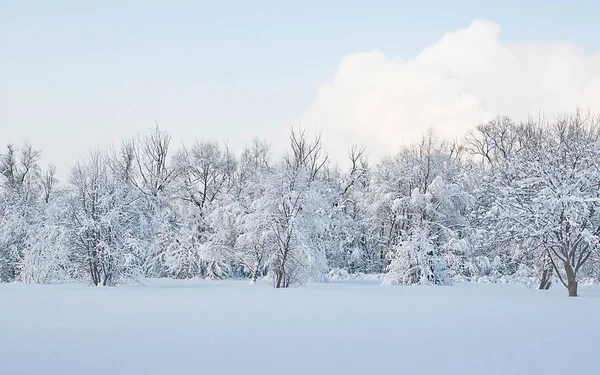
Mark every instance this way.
x=46 y=256
x=420 y=206
x=103 y=223
x=241 y=229
x=144 y=163
x=514 y=202
x=205 y=172
x=294 y=212
x=551 y=199
x=19 y=196
x=416 y=260
x=32 y=225
x=497 y=250
x=347 y=241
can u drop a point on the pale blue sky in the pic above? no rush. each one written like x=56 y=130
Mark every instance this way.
x=74 y=74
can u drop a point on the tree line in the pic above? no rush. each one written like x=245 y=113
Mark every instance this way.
x=511 y=201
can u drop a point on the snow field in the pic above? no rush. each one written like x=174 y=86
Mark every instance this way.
x=231 y=327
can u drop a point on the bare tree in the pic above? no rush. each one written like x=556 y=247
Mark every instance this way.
x=151 y=154
x=49 y=183
x=205 y=171
x=20 y=168
x=304 y=154
x=494 y=141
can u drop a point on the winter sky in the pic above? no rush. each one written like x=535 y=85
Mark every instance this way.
x=77 y=75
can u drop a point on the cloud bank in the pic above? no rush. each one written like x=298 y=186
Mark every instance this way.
x=466 y=78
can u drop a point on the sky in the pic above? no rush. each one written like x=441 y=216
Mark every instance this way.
x=81 y=75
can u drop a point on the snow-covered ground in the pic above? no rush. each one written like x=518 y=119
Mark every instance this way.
x=230 y=327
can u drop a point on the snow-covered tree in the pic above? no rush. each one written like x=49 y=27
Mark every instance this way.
x=241 y=230
x=144 y=163
x=514 y=201
x=46 y=254
x=205 y=172
x=19 y=196
x=347 y=241
x=103 y=223
x=416 y=260
x=293 y=211
x=551 y=198
x=420 y=205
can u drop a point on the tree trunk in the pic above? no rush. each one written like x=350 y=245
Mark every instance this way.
x=256 y=270
x=255 y=274
x=547 y=272
x=546 y=279
x=571 y=280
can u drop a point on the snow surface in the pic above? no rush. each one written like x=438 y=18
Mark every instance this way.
x=358 y=327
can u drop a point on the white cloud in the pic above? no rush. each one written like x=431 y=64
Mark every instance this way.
x=466 y=78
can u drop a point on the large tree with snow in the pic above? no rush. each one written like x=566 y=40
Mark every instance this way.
x=104 y=222
x=550 y=196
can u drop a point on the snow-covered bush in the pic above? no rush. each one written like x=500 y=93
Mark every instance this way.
x=415 y=260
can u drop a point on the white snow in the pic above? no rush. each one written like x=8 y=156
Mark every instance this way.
x=231 y=327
